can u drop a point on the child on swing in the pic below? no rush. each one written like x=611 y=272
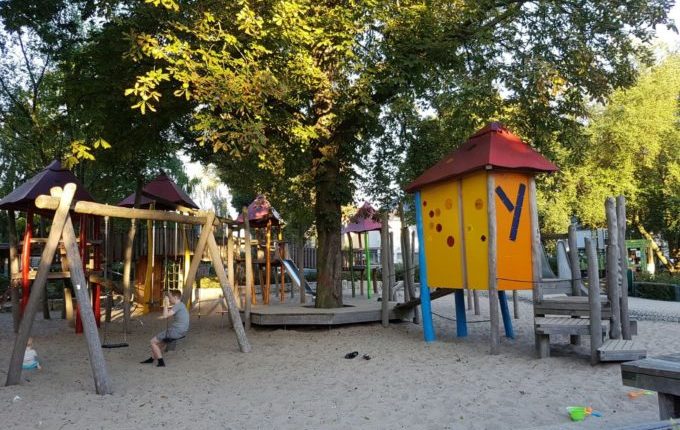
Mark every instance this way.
x=177 y=330
x=31 y=357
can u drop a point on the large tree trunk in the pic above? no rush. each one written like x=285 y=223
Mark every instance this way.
x=328 y=223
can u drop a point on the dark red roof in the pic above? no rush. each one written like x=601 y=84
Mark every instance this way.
x=366 y=219
x=492 y=146
x=162 y=191
x=260 y=211
x=54 y=175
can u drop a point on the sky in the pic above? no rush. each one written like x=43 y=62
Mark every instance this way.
x=667 y=39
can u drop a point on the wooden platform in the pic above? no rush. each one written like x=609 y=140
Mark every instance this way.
x=565 y=326
x=620 y=350
x=358 y=310
x=660 y=374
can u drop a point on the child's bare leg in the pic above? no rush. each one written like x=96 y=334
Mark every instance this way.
x=156 y=348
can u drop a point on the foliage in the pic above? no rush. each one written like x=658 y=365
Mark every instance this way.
x=277 y=81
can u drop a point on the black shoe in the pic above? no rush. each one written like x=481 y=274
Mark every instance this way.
x=366 y=357
x=351 y=355
x=161 y=363
x=147 y=361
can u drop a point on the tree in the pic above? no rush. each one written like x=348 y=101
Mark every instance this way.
x=635 y=151
x=300 y=78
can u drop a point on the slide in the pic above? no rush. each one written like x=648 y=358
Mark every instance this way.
x=292 y=272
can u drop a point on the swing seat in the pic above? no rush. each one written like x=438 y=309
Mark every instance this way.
x=171 y=344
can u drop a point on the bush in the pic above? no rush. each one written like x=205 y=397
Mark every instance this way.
x=4 y=283
x=655 y=291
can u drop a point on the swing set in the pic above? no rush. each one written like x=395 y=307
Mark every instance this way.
x=62 y=232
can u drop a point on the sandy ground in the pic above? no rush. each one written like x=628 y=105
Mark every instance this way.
x=299 y=379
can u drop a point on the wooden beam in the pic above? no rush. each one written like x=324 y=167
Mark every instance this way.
x=35 y=298
x=228 y=293
x=575 y=273
x=102 y=382
x=613 y=269
x=92 y=208
x=249 y=268
x=127 y=273
x=623 y=262
x=231 y=277
x=14 y=270
x=594 y=300
x=492 y=256
x=196 y=261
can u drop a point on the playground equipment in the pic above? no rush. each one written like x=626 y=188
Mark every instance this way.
x=478 y=224
x=62 y=228
x=575 y=315
x=365 y=220
x=23 y=199
x=264 y=221
x=161 y=193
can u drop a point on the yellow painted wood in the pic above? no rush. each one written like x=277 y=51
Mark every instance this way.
x=441 y=231
x=514 y=261
x=476 y=230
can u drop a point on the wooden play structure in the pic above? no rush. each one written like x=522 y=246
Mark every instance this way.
x=89 y=241
x=592 y=314
x=166 y=260
x=261 y=221
x=62 y=233
x=478 y=225
x=364 y=221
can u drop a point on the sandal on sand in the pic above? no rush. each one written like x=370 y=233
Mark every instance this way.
x=351 y=355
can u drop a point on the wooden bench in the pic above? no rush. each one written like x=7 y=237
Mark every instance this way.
x=660 y=374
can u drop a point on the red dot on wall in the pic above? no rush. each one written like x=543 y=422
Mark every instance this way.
x=450 y=241
x=424 y=202
x=483 y=238
x=431 y=214
x=437 y=212
x=439 y=227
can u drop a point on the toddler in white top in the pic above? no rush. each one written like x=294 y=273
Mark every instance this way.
x=31 y=356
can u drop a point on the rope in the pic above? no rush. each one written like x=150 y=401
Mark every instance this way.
x=453 y=319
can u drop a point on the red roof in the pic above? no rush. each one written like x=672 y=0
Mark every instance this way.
x=366 y=219
x=260 y=211
x=492 y=146
x=162 y=191
x=54 y=175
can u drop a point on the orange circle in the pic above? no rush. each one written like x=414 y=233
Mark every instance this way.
x=448 y=204
x=431 y=225
x=479 y=204
x=437 y=212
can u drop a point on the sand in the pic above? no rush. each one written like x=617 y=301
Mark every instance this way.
x=299 y=379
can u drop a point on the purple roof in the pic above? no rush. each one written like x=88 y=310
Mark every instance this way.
x=260 y=211
x=54 y=175
x=366 y=219
x=162 y=191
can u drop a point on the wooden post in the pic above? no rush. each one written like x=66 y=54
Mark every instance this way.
x=230 y=267
x=493 y=286
x=594 y=300
x=515 y=304
x=385 y=242
x=575 y=273
x=351 y=263
x=102 y=382
x=301 y=269
x=613 y=269
x=536 y=272
x=45 y=303
x=249 y=268
x=127 y=270
x=390 y=264
x=361 y=277
x=14 y=270
x=196 y=261
x=14 y=372
x=368 y=266
x=623 y=261
x=26 y=261
x=234 y=314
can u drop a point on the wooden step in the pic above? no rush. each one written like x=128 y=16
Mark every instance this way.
x=564 y=325
x=570 y=305
x=620 y=350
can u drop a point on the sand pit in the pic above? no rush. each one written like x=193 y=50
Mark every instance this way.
x=299 y=379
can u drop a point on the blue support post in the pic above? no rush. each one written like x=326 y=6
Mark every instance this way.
x=461 y=318
x=425 y=304
x=507 y=321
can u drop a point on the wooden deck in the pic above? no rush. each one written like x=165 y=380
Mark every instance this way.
x=621 y=350
x=357 y=310
x=570 y=305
